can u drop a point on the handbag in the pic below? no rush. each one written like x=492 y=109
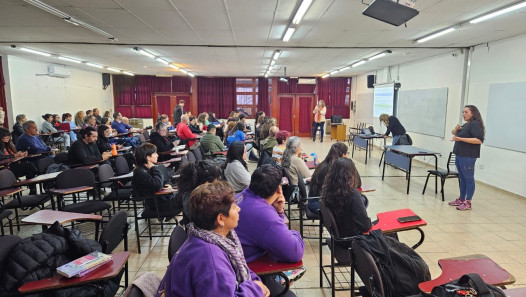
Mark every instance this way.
x=469 y=285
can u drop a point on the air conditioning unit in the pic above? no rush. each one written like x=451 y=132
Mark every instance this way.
x=306 y=81
x=58 y=71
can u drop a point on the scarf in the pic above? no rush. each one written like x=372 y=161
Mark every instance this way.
x=230 y=245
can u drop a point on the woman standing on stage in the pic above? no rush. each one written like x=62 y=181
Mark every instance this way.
x=319 y=119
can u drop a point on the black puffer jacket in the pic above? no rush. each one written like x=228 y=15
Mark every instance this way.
x=38 y=256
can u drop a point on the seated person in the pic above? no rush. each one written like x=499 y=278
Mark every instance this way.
x=103 y=140
x=85 y=150
x=30 y=141
x=212 y=255
x=56 y=121
x=262 y=228
x=48 y=128
x=184 y=132
x=149 y=178
x=90 y=121
x=281 y=139
x=191 y=176
x=292 y=162
x=271 y=141
x=122 y=127
x=210 y=141
x=237 y=134
x=20 y=168
x=166 y=121
x=194 y=127
x=159 y=138
x=67 y=118
x=344 y=201
x=235 y=167
x=337 y=151
x=17 y=127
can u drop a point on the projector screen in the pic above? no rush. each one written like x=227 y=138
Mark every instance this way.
x=383 y=99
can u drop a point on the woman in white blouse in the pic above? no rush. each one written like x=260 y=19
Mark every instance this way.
x=319 y=119
x=235 y=168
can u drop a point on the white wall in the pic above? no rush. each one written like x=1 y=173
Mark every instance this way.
x=34 y=94
x=500 y=63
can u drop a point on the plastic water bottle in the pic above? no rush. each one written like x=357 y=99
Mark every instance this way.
x=113 y=150
x=315 y=157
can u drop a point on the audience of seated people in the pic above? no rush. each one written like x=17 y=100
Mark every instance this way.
x=185 y=134
x=121 y=127
x=19 y=168
x=279 y=148
x=49 y=128
x=235 y=167
x=194 y=127
x=85 y=150
x=159 y=138
x=212 y=256
x=238 y=134
x=210 y=141
x=89 y=112
x=292 y=161
x=262 y=228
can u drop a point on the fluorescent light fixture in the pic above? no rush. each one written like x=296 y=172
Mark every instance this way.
x=498 y=12
x=288 y=34
x=162 y=61
x=47 y=8
x=358 y=63
x=147 y=54
x=266 y=74
x=174 y=67
x=276 y=55
x=334 y=72
x=382 y=54
x=191 y=74
x=113 y=69
x=325 y=75
x=35 y=52
x=71 y=21
x=304 y=6
x=94 y=65
x=183 y=71
x=70 y=60
x=435 y=35
x=345 y=68
x=128 y=73
x=272 y=62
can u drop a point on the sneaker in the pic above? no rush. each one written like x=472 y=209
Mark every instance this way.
x=464 y=206
x=456 y=202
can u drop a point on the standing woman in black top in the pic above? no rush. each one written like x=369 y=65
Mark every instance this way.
x=468 y=139
x=393 y=125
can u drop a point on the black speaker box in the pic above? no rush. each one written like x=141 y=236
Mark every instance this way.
x=371 y=79
x=106 y=79
x=336 y=119
x=390 y=12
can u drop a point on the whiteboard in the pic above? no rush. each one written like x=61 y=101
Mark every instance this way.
x=423 y=111
x=506 y=110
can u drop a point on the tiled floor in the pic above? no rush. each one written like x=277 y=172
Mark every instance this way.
x=495 y=227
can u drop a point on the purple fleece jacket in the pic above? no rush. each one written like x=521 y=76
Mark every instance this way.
x=261 y=229
x=201 y=269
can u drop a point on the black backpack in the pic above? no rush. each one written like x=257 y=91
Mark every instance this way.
x=471 y=283
x=401 y=268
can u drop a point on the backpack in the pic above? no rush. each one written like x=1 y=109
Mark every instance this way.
x=467 y=284
x=57 y=168
x=401 y=268
x=405 y=140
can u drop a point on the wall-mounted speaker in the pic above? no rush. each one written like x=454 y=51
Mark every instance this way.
x=105 y=80
x=371 y=79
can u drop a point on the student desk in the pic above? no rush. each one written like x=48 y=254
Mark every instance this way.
x=401 y=157
x=39 y=179
x=388 y=223
x=49 y=217
x=310 y=165
x=266 y=265
x=57 y=282
x=454 y=268
x=365 y=141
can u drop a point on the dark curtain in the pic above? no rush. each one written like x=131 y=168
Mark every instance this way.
x=125 y=110
x=216 y=94
x=305 y=113
x=285 y=112
x=263 y=99
x=292 y=87
x=161 y=84
x=3 y=100
x=333 y=91
x=182 y=84
x=163 y=105
x=123 y=90
x=143 y=89
x=144 y=112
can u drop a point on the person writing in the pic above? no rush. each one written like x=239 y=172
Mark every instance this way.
x=212 y=256
x=319 y=119
x=468 y=139
x=393 y=125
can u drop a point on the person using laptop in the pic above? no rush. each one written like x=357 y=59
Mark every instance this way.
x=393 y=125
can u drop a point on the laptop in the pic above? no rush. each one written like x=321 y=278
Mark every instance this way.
x=366 y=132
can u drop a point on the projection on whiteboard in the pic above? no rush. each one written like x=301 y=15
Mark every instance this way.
x=383 y=99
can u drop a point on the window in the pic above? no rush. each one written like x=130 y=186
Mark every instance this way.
x=247 y=96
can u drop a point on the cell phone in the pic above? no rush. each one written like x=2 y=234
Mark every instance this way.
x=409 y=219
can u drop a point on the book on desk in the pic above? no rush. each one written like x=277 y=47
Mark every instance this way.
x=84 y=265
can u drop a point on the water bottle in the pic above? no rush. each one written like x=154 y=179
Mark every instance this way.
x=113 y=150
x=315 y=157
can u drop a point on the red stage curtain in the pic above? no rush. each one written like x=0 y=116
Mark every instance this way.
x=161 y=84
x=292 y=87
x=285 y=110
x=123 y=90
x=3 y=100
x=163 y=105
x=125 y=110
x=263 y=100
x=182 y=84
x=144 y=112
x=304 y=114
x=333 y=91
x=216 y=94
x=143 y=89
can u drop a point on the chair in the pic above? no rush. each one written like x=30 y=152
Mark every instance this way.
x=7 y=181
x=121 y=166
x=61 y=158
x=43 y=164
x=116 y=231
x=443 y=174
x=5 y=214
x=118 y=192
x=177 y=239
x=191 y=157
x=363 y=263
x=197 y=154
x=337 y=252
x=146 y=135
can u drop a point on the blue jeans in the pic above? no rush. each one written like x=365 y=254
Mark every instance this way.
x=466 y=175
x=395 y=139
x=315 y=129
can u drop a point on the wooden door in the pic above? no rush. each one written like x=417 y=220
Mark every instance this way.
x=295 y=114
x=165 y=103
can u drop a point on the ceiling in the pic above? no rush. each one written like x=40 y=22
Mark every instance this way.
x=238 y=37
